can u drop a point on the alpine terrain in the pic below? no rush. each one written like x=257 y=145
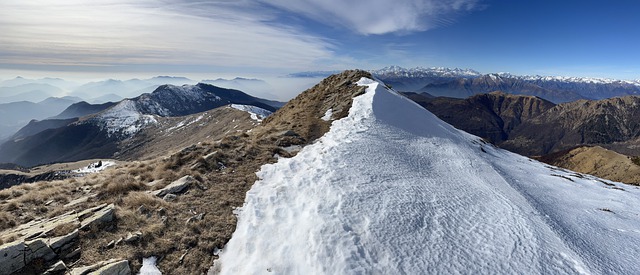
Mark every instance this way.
x=384 y=192
x=349 y=177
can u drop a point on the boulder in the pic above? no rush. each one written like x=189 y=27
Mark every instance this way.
x=97 y=215
x=38 y=249
x=175 y=187
x=12 y=257
x=56 y=268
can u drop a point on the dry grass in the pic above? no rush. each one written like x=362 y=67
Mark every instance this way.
x=200 y=219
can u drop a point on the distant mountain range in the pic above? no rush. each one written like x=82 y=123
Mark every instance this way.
x=15 y=115
x=461 y=83
x=99 y=134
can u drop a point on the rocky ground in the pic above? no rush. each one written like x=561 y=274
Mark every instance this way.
x=177 y=207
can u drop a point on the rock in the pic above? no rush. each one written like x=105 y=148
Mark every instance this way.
x=133 y=237
x=40 y=228
x=56 y=268
x=73 y=254
x=175 y=187
x=16 y=255
x=12 y=257
x=116 y=268
x=100 y=214
x=109 y=267
x=61 y=243
x=38 y=249
x=79 y=200
x=170 y=197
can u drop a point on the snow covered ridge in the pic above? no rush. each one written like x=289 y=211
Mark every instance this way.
x=123 y=119
x=257 y=113
x=385 y=193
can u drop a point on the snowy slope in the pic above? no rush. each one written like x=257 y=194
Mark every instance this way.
x=257 y=113
x=385 y=193
x=124 y=118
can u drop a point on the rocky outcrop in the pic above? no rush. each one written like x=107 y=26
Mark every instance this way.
x=175 y=187
x=39 y=240
x=109 y=267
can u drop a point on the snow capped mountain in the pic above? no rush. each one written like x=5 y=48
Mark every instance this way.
x=571 y=79
x=385 y=193
x=124 y=118
x=397 y=71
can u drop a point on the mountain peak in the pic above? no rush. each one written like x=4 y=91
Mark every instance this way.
x=330 y=99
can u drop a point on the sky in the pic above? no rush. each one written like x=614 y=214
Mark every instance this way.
x=122 y=38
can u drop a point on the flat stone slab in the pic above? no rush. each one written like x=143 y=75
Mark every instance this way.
x=175 y=187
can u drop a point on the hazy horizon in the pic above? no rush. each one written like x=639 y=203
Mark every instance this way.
x=268 y=39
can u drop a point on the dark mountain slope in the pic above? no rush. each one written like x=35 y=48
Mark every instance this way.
x=101 y=135
x=492 y=116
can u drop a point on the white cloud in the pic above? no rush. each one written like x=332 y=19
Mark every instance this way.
x=118 y=32
x=379 y=16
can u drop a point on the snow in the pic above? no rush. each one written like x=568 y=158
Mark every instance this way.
x=257 y=113
x=385 y=193
x=91 y=168
x=149 y=267
x=124 y=119
x=327 y=115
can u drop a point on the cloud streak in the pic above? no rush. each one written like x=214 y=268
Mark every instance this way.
x=116 y=32
x=379 y=16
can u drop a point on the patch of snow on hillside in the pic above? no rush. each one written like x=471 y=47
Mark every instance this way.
x=94 y=167
x=149 y=267
x=257 y=113
x=327 y=115
x=440 y=202
x=124 y=118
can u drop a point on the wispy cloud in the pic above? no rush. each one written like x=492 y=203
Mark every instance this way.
x=117 y=32
x=379 y=16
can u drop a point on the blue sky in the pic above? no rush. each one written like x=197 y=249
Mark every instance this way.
x=260 y=37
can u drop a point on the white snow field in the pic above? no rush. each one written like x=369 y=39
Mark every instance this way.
x=257 y=113
x=392 y=189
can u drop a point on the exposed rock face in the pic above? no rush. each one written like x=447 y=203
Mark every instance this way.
x=36 y=240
